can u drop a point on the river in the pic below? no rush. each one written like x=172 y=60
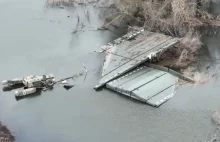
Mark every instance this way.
x=37 y=40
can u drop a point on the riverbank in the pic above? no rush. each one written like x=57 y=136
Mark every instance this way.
x=178 y=18
x=5 y=134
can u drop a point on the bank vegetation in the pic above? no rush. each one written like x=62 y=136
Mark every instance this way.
x=5 y=134
x=189 y=20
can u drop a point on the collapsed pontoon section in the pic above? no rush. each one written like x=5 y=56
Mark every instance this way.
x=129 y=51
x=126 y=70
x=146 y=84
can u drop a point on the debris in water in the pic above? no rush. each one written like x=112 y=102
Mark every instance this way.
x=86 y=71
x=215 y=139
x=32 y=84
x=216 y=117
x=68 y=86
x=5 y=134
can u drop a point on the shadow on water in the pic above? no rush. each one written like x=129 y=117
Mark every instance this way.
x=10 y=88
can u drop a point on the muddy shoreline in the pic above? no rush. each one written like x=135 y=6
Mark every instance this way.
x=5 y=134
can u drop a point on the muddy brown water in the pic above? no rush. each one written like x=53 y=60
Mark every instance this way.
x=36 y=40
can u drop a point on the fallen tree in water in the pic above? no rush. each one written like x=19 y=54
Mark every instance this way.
x=5 y=134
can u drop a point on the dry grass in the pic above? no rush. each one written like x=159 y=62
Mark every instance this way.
x=175 y=17
x=5 y=135
x=188 y=49
x=184 y=54
x=181 y=18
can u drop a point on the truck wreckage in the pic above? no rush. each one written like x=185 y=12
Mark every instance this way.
x=128 y=71
x=31 y=84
